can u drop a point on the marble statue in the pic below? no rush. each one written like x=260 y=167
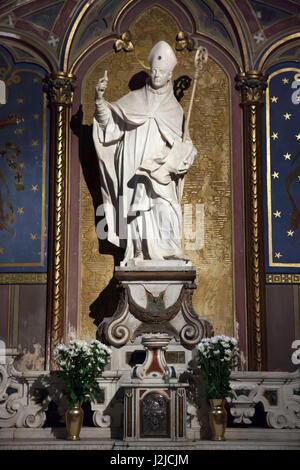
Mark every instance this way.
x=142 y=158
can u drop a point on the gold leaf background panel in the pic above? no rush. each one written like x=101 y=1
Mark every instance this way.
x=208 y=181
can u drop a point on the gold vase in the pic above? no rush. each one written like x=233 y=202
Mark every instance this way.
x=217 y=418
x=74 y=419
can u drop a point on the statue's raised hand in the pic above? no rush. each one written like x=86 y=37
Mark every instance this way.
x=101 y=86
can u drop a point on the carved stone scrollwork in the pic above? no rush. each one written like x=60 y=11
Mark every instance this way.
x=279 y=393
x=101 y=420
x=114 y=329
x=286 y=418
x=195 y=328
x=243 y=404
x=17 y=408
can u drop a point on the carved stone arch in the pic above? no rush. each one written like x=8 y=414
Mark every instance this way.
x=227 y=65
x=122 y=20
x=33 y=52
x=288 y=45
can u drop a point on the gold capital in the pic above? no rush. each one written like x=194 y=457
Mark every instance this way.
x=60 y=88
x=252 y=85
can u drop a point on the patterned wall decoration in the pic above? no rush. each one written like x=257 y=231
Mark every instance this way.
x=23 y=169
x=282 y=173
x=207 y=186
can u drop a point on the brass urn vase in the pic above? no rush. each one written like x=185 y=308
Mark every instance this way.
x=217 y=418
x=74 y=419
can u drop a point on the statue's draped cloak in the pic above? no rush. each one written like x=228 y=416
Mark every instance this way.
x=142 y=128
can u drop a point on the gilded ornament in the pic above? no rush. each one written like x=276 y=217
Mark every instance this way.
x=252 y=85
x=23 y=278
x=124 y=43
x=283 y=278
x=60 y=88
x=183 y=41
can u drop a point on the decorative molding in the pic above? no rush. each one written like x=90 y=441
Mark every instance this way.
x=23 y=278
x=18 y=408
x=195 y=328
x=142 y=311
x=25 y=397
x=252 y=85
x=278 y=392
x=282 y=278
x=115 y=329
x=60 y=89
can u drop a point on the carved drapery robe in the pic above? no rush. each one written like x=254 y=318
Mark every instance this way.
x=141 y=155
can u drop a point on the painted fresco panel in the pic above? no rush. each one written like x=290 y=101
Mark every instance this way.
x=23 y=168
x=282 y=170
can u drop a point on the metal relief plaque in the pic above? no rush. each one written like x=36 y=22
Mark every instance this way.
x=155 y=415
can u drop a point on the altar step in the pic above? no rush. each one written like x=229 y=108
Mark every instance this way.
x=236 y=439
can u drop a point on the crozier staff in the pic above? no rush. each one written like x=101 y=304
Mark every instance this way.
x=139 y=143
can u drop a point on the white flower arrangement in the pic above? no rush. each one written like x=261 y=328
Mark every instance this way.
x=217 y=356
x=81 y=363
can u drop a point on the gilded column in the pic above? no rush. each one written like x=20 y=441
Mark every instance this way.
x=59 y=88
x=252 y=85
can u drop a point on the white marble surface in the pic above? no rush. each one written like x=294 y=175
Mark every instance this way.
x=157 y=265
x=236 y=439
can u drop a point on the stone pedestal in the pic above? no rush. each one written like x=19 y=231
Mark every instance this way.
x=156 y=297
x=155 y=402
x=152 y=335
x=155 y=411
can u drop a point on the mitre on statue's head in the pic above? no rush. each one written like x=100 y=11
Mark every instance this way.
x=162 y=57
